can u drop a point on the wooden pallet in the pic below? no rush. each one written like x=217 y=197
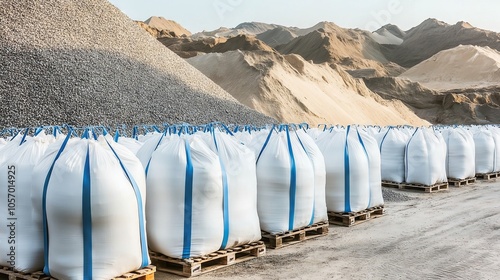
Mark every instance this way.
x=389 y=184
x=461 y=182
x=220 y=259
x=8 y=273
x=488 y=176
x=147 y=273
x=355 y=218
x=417 y=187
x=280 y=240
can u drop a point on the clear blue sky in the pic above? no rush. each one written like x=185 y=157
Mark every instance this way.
x=198 y=15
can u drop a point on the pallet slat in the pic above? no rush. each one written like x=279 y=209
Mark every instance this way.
x=488 y=176
x=355 y=218
x=214 y=261
x=417 y=187
x=461 y=182
x=280 y=240
x=146 y=273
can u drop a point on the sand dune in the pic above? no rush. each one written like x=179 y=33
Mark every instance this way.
x=246 y=28
x=161 y=23
x=460 y=67
x=433 y=36
x=393 y=29
x=386 y=37
x=481 y=106
x=354 y=49
x=277 y=36
x=291 y=89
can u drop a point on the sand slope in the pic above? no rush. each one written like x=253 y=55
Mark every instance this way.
x=277 y=36
x=460 y=67
x=386 y=37
x=393 y=29
x=161 y=23
x=469 y=106
x=291 y=89
x=246 y=28
x=351 y=48
x=433 y=36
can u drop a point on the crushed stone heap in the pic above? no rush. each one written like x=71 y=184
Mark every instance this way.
x=86 y=63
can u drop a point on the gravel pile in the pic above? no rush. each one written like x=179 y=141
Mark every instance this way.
x=86 y=63
x=392 y=196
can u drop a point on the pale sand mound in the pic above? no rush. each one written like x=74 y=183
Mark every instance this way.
x=352 y=48
x=393 y=29
x=460 y=67
x=385 y=37
x=247 y=28
x=241 y=42
x=277 y=36
x=469 y=106
x=162 y=23
x=294 y=90
x=433 y=36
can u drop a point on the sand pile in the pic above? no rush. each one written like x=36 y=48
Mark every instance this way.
x=481 y=106
x=246 y=28
x=162 y=23
x=187 y=47
x=393 y=29
x=86 y=63
x=460 y=67
x=386 y=37
x=241 y=42
x=277 y=36
x=294 y=90
x=351 y=48
x=433 y=36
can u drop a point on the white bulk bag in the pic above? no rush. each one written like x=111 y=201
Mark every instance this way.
x=374 y=161
x=285 y=184
x=460 y=157
x=485 y=151
x=92 y=195
x=21 y=239
x=347 y=171
x=425 y=158
x=314 y=132
x=257 y=141
x=149 y=147
x=130 y=143
x=320 y=212
x=392 y=152
x=185 y=199
x=496 y=137
x=239 y=177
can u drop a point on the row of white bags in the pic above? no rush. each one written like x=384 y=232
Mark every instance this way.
x=346 y=167
x=428 y=156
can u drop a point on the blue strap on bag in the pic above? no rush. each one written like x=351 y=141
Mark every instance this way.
x=347 y=174
x=46 y=268
x=314 y=184
x=87 y=219
x=293 y=182
x=225 y=202
x=188 y=203
x=140 y=206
